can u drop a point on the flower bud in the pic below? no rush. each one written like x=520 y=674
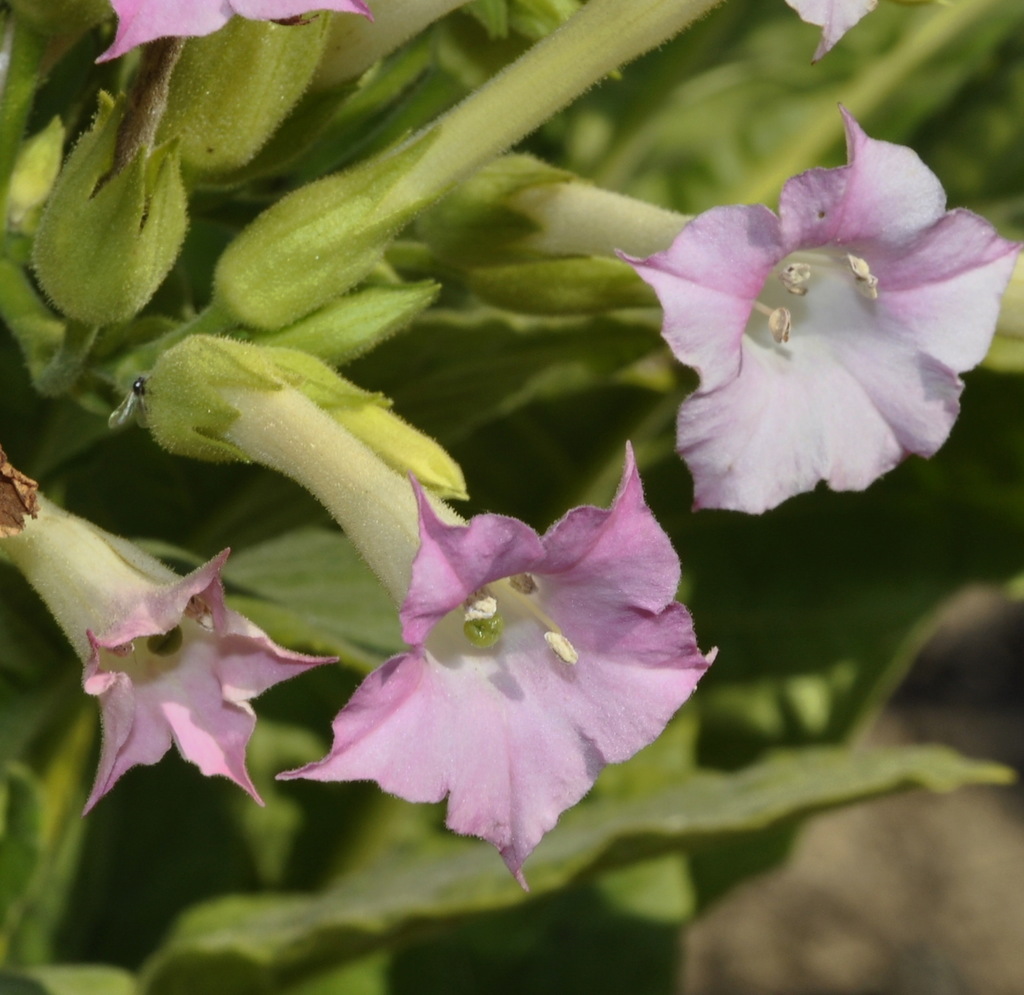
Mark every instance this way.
x=190 y=410
x=105 y=242
x=233 y=88
x=356 y=323
x=478 y=223
x=318 y=242
x=584 y=285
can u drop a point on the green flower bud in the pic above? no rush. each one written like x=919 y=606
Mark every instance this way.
x=104 y=245
x=188 y=409
x=586 y=285
x=34 y=174
x=62 y=17
x=233 y=88
x=355 y=323
x=478 y=224
x=318 y=242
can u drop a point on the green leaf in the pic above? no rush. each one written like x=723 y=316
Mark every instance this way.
x=252 y=944
x=68 y=979
x=320 y=590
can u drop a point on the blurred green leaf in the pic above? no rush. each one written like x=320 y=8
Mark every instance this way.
x=250 y=944
x=67 y=979
x=321 y=592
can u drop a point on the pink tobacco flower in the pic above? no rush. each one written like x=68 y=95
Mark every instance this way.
x=139 y=21
x=179 y=666
x=828 y=339
x=834 y=17
x=535 y=661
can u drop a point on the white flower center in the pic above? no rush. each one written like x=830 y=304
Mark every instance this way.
x=784 y=304
x=484 y=623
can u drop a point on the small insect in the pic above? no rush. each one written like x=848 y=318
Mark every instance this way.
x=132 y=408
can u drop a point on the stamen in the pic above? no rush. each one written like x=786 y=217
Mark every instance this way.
x=125 y=649
x=794 y=276
x=482 y=606
x=199 y=612
x=523 y=583
x=780 y=323
x=561 y=647
x=866 y=282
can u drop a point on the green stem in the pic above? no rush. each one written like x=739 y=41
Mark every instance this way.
x=60 y=374
x=36 y=329
x=594 y=42
x=870 y=89
x=21 y=51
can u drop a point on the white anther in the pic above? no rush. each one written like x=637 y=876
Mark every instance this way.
x=561 y=647
x=780 y=323
x=482 y=607
x=794 y=276
x=865 y=280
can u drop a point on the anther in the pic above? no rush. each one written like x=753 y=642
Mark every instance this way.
x=523 y=583
x=482 y=606
x=780 y=323
x=794 y=276
x=865 y=281
x=561 y=647
x=199 y=612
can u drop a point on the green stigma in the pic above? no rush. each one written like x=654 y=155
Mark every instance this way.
x=165 y=643
x=484 y=632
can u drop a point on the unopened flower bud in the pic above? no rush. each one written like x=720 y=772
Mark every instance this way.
x=190 y=407
x=105 y=242
x=233 y=88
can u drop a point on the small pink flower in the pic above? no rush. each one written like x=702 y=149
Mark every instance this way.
x=834 y=17
x=178 y=666
x=139 y=21
x=535 y=661
x=829 y=338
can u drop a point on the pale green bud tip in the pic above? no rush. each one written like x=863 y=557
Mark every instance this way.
x=105 y=243
x=34 y=174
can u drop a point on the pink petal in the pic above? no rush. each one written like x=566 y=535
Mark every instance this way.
x=834 y=17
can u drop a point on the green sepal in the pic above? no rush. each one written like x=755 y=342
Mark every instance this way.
x=476 y=225
x=105 y=245
x=35 y=172
x=577 y=285
x=232 y=89
x=188 y=415
x=356 y=323
x=317 y=243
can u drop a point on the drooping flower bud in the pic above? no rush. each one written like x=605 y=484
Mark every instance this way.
x=105 y=242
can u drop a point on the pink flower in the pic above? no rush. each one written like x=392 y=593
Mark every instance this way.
x=139 y=21
x=178 y=665
x=535 y=661
x=828 y=339
x=834 y=17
